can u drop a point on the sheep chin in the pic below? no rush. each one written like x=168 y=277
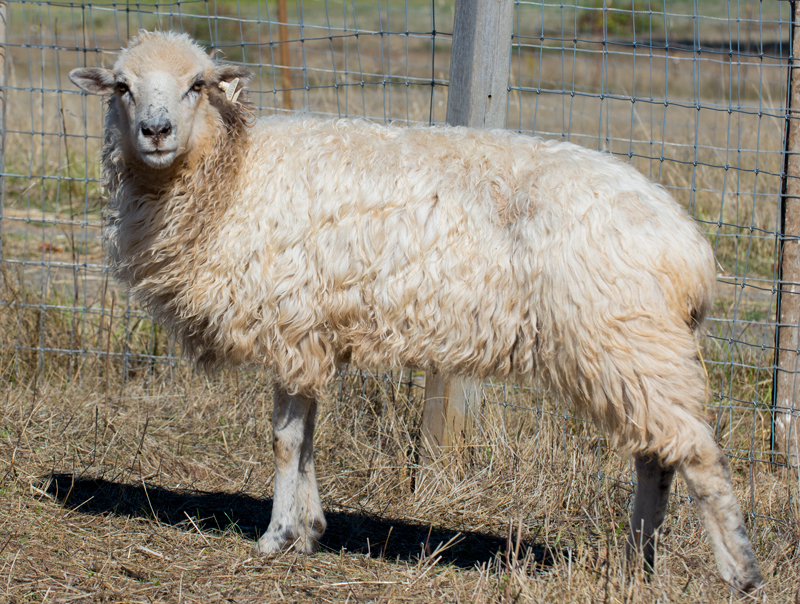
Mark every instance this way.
x=160 y=159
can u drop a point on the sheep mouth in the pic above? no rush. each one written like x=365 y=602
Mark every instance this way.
x=159 y=158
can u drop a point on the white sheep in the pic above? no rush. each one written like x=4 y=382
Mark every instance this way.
x=299 y=243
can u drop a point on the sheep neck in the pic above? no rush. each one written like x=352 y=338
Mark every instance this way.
x=154 y=217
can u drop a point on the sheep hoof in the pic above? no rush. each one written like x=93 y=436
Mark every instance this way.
x=273 y=542
x=748 y=582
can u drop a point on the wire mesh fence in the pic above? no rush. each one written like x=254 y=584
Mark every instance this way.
x=693 y=94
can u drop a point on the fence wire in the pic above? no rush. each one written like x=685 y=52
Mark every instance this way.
x=693 y=94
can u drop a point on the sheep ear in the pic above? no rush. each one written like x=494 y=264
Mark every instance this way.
x=228 y=73
x=94 y=80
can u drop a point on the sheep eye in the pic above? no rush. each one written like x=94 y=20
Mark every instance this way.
x=122 y=88
x=197 y=86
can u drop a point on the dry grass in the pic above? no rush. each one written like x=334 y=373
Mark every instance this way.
x=155 y=489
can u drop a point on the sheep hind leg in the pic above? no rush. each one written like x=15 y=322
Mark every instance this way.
x=309 y=517
x=297 y=516
x=708 y=476
x=650 y=504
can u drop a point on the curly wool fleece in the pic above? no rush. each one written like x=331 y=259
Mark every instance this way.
x=484 y=253
x=300 y=243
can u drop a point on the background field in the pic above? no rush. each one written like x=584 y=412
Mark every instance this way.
x=127 y=477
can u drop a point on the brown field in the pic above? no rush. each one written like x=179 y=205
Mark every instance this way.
x=128 y=477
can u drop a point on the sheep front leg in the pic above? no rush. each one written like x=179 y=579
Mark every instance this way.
x=649 y=506
x=297 y=516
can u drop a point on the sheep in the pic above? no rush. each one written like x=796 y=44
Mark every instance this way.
x=299 y=244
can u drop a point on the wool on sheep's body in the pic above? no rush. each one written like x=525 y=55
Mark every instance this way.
x=484 y=253
x=298 y=243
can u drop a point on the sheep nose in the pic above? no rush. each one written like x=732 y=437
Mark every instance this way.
x=156 y=130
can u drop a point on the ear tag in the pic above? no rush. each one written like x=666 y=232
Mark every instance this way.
x=236 y=96
x=229 y=88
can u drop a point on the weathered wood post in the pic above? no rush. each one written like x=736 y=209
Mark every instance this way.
x=478 y=94
x=286 y=60
x=785 y=429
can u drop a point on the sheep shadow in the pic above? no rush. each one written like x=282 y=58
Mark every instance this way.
x=357 y=531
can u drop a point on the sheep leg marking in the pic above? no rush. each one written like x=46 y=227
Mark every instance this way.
x=708 y=477
x=297 y=516
x=649 y=507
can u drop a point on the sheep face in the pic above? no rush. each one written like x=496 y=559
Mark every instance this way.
x=157 y=111
x=163 y=97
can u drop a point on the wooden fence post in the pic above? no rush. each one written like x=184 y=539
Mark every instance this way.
x=478 y=94
x=286 y=60
x=785 y=429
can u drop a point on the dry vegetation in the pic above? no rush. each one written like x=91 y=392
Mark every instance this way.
x=127 y=477
x=154 y=489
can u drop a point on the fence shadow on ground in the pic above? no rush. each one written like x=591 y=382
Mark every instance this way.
x=357 y=532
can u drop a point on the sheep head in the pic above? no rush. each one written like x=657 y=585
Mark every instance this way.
x=168 y=97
